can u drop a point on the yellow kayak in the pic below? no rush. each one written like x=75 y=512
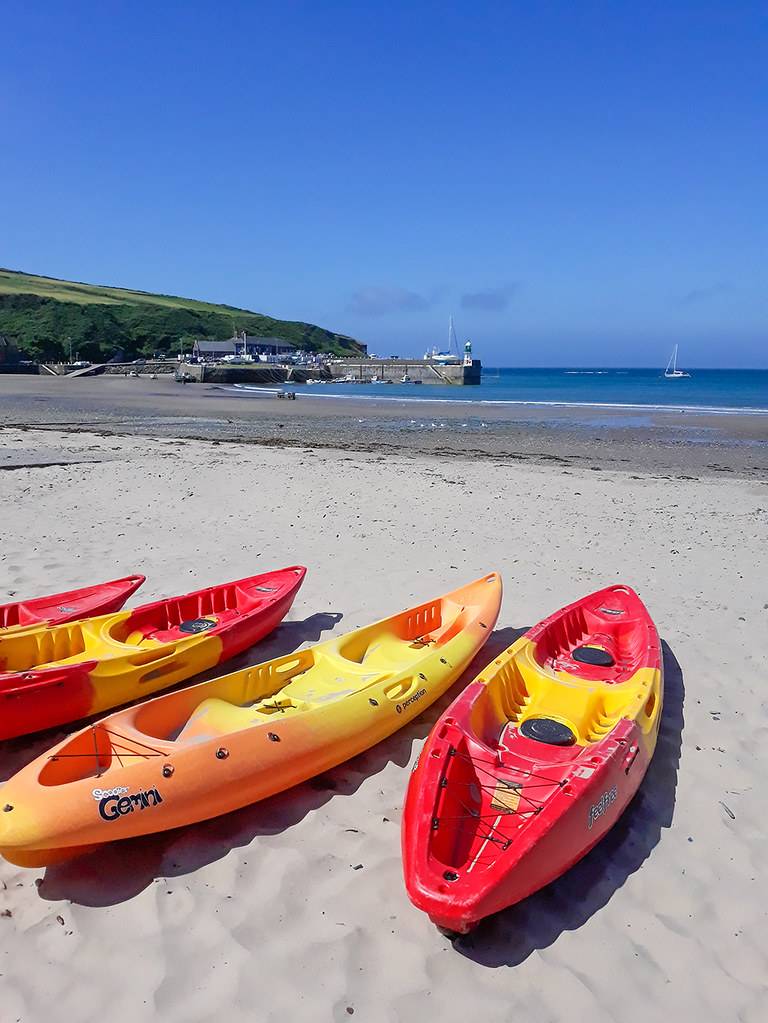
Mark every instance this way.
x=215 y=747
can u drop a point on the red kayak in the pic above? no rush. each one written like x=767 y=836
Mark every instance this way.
x=535 y=761
x=50 y=675
x=70 y=606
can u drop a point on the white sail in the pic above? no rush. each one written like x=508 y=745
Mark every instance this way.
x=453 y=341
x=672 y=372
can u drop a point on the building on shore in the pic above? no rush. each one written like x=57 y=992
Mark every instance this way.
x=212 y=349
x=243 y=344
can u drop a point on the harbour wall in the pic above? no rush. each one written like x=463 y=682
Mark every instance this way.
x=259 y=373
x=425 y=371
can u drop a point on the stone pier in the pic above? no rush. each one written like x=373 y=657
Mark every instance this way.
x=426 y=371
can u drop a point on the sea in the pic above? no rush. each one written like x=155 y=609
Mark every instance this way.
x=714 y=391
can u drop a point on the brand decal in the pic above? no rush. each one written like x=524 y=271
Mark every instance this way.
x=66 y=609
x=103 y=793
x=400 y=707
x=114 y=803
x=598 y=809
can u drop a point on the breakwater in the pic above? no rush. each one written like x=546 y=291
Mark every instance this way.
x=424 y=371
x=364 y=371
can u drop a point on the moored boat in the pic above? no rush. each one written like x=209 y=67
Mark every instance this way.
x=535 y=761
x=212 y=748
x=52 y=675
x=672 y=372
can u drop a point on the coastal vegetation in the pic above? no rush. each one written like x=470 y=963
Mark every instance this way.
x=46 y=318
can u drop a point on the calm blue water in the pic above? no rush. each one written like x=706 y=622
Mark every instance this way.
x=711 y=389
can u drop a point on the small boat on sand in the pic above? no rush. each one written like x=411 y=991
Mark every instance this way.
x=52 y=675
x=100 y=599
x=535 y=761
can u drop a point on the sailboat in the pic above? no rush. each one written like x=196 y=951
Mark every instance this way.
x=452 y=356
x=672 y=372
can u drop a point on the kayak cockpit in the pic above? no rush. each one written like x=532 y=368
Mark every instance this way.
x=518 y=694
x=605 y=638
x=168 y=621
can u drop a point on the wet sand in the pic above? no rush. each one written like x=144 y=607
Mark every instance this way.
x=651 y=442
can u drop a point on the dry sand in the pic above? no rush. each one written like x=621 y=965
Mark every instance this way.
x=262 y=915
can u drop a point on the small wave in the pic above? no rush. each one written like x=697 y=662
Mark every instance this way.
x=722 y=410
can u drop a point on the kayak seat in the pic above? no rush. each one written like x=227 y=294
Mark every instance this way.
x=210 y=719
x=319 y=690
x=379 y=652
x=215 y=717
x=310 y=689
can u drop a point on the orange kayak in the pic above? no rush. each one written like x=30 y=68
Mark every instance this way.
x=51 y=675
x=220 y=745
x=100 y=599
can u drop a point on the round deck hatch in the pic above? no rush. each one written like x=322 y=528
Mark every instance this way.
x=593 y=655
x=554 y=733
x=198 y=625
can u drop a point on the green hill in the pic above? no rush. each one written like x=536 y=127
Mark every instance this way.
x=41 y=313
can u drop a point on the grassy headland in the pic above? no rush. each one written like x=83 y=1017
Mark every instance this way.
x=41 y=314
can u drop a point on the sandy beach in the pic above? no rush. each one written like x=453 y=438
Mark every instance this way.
x=295 y=909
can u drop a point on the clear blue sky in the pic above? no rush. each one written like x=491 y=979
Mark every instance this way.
x=576 y=182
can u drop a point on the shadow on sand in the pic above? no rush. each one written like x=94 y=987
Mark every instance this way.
x=509 y=937
x=121 y=870
x=287 y=637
